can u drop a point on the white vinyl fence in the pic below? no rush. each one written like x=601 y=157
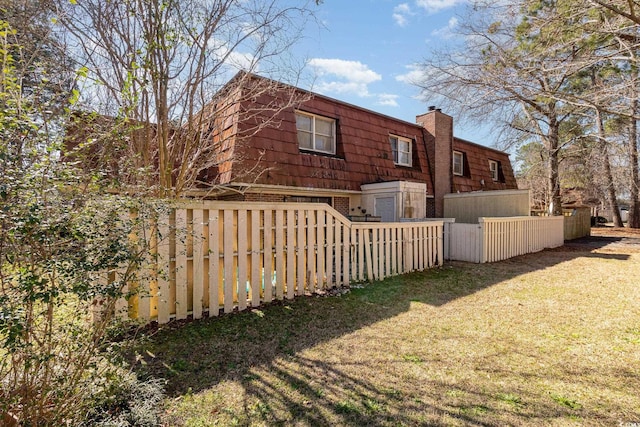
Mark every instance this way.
x=212 y=257
x=496 y=239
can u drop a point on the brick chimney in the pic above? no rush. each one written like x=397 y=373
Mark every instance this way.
x=439 y=141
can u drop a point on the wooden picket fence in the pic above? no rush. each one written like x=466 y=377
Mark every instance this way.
x=497 y=239
x=505 y=238
x=212 y=257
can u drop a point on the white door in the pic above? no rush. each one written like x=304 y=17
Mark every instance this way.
x=385 y=208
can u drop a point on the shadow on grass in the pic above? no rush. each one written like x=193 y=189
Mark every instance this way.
x=368 y=405
x=594 y=243
x=195 y=356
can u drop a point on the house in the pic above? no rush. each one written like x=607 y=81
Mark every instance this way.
x=360 y=162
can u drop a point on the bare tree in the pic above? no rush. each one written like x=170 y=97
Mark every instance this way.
x=614 y=91
x=629 y=9
x=154 y=68
x=504 y=71
x=556 y=72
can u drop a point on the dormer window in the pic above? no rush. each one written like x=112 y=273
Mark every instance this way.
x=401 y=149
x=458 y=163
x=493 y=168
x=316 y=133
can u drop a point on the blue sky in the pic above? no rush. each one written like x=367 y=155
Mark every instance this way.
x=366 y=52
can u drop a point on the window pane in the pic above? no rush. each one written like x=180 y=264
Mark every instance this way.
x=493 y=167
x=303 y=122
x=403 y=158
x=316 y=133
x=324 y=127
x=404 y=146
x=457 y=163
x=324 y=143
x=304 y=140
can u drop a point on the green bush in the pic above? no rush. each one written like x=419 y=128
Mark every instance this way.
x=59 y=238
x=54 y=355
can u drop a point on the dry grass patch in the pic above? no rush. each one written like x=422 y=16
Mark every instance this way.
x=544 y=339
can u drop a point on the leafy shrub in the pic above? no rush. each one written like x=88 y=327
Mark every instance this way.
x=57 y=252
x=58 y=240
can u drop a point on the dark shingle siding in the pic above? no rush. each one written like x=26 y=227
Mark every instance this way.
x=363 y=154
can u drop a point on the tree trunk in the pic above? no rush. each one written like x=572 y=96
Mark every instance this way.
x=554 y=177
x=612 y=198
x=634 y=209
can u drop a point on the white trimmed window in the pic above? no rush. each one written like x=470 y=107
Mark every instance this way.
x=458 y=163
x=316 y=133
x=493 y=168
x=401 y=148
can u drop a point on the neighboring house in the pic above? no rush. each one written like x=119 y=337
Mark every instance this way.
x=358 y=161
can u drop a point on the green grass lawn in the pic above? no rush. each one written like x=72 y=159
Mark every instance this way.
x=544 y=339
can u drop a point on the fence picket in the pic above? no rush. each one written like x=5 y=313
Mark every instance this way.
x=330 y=252
x=321 y=250
x=214 y=262
x=163 y=269
x=280 y=262
x=367 y=250
x=242 y=259
x=346 y=250
x=198 y=264
x=256 y=252
x=182 y=303
x=228 y=254
x=375 y=256
x=311 y=252
x=301 y=252
x=291 y=254
x=268 y=256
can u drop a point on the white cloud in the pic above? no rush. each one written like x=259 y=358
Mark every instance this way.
x=351 y=70
x=435 y=6
x=413 y=76
x=242 y=61
x=446 y=32
x=401 y=13
x=387 y=99
x=402 y=8
x=232 y=57
x=342 y=76
x=400 y=19
x=342 y=87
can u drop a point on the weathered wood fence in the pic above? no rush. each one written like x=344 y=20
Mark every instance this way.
x=577 y=223
x=212 y=257
x=496 y=239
